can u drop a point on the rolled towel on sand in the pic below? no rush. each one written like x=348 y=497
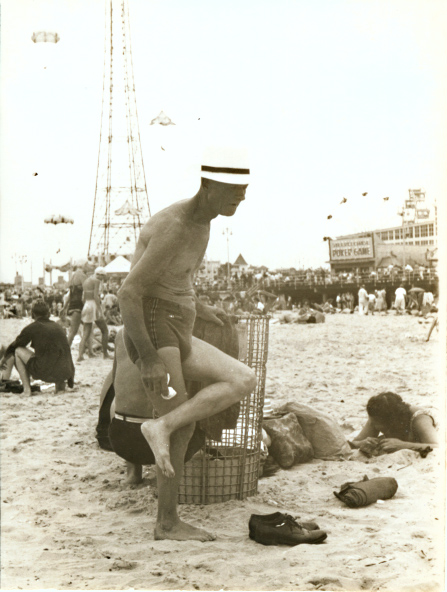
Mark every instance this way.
x=366 y=492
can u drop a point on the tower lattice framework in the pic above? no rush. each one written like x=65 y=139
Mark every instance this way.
x=121 y=204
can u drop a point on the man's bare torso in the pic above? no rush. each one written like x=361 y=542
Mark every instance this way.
x=183 y=244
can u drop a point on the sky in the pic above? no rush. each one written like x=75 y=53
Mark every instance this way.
x=332 y=98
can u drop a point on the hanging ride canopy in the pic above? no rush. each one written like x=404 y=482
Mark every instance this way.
x=127 y=209
x=45 y=37
x=58 y=219
x=162 y=119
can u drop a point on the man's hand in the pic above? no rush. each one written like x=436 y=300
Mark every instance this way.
x=211 y=313
x=154 y=376
x=392 y=444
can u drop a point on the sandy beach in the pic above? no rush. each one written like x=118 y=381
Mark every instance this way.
x=70 y=523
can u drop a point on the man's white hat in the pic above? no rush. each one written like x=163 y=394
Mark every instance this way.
x=226 y=164
x=100 y=271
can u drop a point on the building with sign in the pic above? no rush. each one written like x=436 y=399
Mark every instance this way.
x=414 y=242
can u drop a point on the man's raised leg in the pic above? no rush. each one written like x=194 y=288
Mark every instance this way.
x=229 y=382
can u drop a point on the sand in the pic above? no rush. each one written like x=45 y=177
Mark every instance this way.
x=69 y=522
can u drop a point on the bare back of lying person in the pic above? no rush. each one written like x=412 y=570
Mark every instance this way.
x=158 y=307
x=402 y=426
x=92 y=312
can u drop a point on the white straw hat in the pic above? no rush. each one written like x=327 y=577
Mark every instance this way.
x=100 y=271
x=226 y=164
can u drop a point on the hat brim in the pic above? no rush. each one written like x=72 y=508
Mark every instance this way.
x=229 y=178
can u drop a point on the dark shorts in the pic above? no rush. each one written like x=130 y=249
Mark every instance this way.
x=168 y=325
x=129 y=443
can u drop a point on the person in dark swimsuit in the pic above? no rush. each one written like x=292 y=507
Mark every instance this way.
x=74 y=304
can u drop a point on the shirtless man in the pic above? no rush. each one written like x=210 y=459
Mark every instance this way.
x=92 y=312
x=158 y=306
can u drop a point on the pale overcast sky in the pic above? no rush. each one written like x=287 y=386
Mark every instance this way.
x=332 y=97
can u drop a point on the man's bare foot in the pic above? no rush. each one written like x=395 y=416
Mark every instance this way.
x=80 y=359
x=106 y=356
x=181 y=531
x=134 y=474
x=27 y=392
x=158 y=439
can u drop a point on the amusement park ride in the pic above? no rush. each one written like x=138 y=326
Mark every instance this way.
x=121 y=204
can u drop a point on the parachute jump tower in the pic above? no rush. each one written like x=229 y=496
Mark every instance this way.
x=121 y=204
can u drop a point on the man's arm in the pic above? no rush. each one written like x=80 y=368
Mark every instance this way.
x=209 y=313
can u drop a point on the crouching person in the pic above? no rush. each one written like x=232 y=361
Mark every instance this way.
x=51 y=359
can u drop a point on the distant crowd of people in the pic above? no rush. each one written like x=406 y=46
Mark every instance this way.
x=265 y=279
x=416 y=299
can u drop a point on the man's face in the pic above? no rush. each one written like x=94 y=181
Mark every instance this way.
x=224 y=198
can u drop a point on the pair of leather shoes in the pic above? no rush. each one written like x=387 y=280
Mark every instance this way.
x=283 y=529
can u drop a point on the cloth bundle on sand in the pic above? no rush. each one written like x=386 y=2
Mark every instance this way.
x=227 y=340
x=325 y=435
x=366 y=492
x=15 y=386
x=289 y=445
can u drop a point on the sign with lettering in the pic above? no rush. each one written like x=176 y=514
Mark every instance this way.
x=351 y=248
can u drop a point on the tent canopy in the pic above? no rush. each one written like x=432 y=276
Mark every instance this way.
x=120 y=265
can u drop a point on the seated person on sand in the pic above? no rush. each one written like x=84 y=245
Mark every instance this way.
x=51 y=359
x=402 y=426
x=158 y=306
x=92 y=312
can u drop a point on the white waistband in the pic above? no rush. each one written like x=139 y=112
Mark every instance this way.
x=131 y=419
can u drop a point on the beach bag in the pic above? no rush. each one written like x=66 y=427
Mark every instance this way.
x=325 y=435
x=289 y=445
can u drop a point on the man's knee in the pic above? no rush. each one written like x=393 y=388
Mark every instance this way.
x=22 y=354
x=245 y=382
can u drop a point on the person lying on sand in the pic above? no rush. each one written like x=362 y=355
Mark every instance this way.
x=158 y=307
x=403 y=426
x=51 y=359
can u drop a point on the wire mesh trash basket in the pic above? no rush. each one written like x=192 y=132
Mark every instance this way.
x=229 y=469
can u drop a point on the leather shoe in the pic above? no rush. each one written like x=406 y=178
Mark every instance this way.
x=273 y=519
x=286 y=532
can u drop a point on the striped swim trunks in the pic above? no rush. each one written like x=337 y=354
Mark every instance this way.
x=168 y=324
